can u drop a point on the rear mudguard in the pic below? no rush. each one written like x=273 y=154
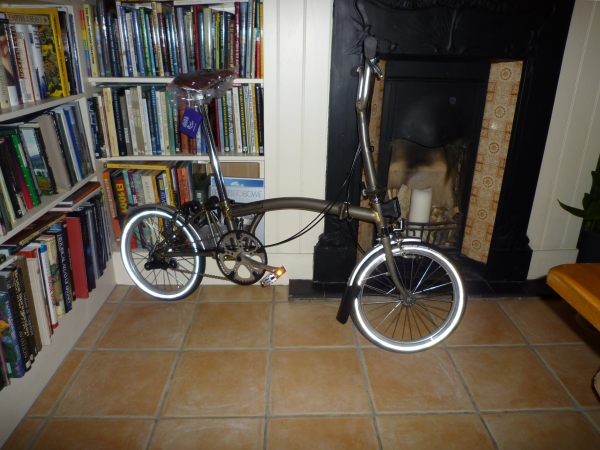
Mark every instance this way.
x=352 y=288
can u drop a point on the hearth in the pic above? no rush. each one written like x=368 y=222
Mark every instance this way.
x=441 y=55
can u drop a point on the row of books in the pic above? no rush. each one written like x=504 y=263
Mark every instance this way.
x=52 y=264
x=39 y=54
x=144 y=120
x=48 y=154
x=161 y=39
x=128 y=185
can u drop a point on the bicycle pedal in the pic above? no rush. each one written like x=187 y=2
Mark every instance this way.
x=272 y=277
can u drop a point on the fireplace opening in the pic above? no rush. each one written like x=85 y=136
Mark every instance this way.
x=431 y=118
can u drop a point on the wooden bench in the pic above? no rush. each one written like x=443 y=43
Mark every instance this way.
x=579 y=285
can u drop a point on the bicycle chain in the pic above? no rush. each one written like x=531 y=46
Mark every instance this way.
x=216 y=277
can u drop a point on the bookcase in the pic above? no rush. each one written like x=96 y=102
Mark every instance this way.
x=36 y=196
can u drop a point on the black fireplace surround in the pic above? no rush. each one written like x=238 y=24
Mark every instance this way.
x=532 y=31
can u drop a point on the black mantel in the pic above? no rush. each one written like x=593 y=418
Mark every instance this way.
x=534 y=31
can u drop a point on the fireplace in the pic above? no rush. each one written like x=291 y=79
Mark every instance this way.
x=444 y=61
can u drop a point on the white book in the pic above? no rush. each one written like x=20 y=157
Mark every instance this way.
x=40 y=301
x=130 y=115
x=237 y=119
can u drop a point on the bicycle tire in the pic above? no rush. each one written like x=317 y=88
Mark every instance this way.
x=418 y=321
x=144 y=252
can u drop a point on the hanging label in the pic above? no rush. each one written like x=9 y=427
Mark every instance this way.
x=190 y=122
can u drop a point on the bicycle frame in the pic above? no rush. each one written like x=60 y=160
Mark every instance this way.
x=372 y=214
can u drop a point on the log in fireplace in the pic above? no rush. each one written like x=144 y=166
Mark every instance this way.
x=468 y=95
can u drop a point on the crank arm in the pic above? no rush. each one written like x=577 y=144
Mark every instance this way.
x=258 y=265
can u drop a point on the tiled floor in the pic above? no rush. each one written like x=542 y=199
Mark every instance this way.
x=243 y=368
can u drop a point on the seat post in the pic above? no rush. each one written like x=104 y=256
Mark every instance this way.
x=216 y=168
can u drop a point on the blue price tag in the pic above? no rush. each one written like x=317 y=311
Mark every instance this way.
x=190 y=122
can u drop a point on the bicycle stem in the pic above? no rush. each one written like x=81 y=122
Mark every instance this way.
x=363 y=102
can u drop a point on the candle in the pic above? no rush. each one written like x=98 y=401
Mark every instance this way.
x=420 y=205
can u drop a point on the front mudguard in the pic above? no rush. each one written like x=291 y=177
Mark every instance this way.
x=352 y=288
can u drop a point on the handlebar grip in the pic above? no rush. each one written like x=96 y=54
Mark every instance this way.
x=370 y=47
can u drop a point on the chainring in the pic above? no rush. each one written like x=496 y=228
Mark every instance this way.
x=230 y=249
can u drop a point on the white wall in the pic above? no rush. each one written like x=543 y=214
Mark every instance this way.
x=297 y=44
x=572 y=147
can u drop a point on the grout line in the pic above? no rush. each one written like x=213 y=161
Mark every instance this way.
x=365 y=373
x=471 y=397
x=269 y=374
x=178 y=355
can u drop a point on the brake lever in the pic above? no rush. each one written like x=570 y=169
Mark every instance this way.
x=375 y=66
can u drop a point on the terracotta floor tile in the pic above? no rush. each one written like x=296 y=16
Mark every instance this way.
x=208 y=434
x=118 y=384
x=508 y=378
x=157 y=326
x=228 y=293
x=24 y=434
x=96 y=326
x=281 y=293
x=575 y=365
x=594 y=416
x=56 y=386
x=118 y=293
x=485 y=323
x=137 y=295
x=309 y=324
x=433 y=432
x=213 y=384
x=425 y=381
x=543 y=431
x=544 y=321
x=317 y=381
x=227 y=325
x=95 y=435
x=343 y=433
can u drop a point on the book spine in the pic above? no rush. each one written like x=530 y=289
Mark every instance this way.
x=48 y=284
x=138 y=43
x=40 y=303
x=25 y=170
x=17 y=311
x=10 y=340
x=60 y=56
x=260 y=115
x=88 y=13
x=35 y=318
x=25 y=314
x=8 y=58
x=243 y=118
x=64 y=268
x=96 y=130
x=22 y=65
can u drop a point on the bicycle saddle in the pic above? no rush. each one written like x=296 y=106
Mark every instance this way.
x=202 y=86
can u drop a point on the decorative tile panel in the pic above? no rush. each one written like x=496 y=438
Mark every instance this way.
x=496 y=130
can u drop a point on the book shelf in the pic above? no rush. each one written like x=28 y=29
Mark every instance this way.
x=17 y=398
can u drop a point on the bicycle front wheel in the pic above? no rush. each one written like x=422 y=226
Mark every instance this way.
x=160 y=254
x=417 y=319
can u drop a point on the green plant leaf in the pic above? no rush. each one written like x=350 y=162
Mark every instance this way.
x=575 y=211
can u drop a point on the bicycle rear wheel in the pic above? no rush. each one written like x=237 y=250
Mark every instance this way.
x=424 y=316
x=149 y=245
